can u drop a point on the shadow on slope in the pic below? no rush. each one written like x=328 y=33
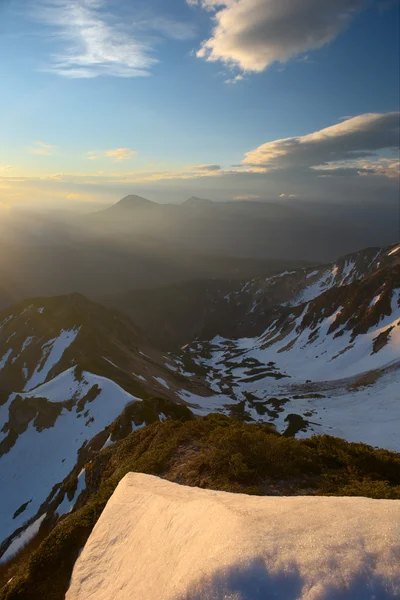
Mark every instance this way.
x=253 y=581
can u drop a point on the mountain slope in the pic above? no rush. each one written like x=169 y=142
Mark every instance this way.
x=315 y=350
x=318 y=363
x=68 y=369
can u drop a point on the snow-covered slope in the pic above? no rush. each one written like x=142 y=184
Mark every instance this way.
x=44 y=453
x=292 y=288
x=157 y=539
x=67 y=385
x=328 y=364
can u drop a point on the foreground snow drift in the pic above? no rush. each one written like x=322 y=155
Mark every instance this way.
x=160 y=540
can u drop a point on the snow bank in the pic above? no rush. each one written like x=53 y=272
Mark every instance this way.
x=157 y=539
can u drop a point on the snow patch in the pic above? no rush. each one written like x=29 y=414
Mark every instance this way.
x=375 y=300
x=139 y=377
x=53 y=350
x=20 y=541
x=111 y=362
x=394 y=250
x=5 y=358
x=162 y=381
x=67 y=505
x=6 y=320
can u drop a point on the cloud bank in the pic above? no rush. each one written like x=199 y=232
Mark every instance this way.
x=348 y=145
x=253 y=34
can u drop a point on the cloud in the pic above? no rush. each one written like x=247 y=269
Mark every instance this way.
x=235 y=79
x=42 y=148
x=246 y=197
x=206 y=168
x=194 y=172
x=5 y=168
x=386 y=167
x=357 y=138
x=253 y=34
x=53 y=176
x=287 y=195
x=119 y=154
x=98 y=42
x=79 y=196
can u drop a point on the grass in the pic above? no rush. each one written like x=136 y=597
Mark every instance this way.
x=213 y=452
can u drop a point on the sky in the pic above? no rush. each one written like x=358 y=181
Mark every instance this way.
x=227 y=99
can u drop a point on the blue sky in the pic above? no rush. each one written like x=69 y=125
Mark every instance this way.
x=103 y=97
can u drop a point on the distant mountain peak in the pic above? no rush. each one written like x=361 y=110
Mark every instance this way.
x=133 y=201
x=195 y=201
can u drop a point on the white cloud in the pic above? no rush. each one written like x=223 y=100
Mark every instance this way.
x=236 y=79
x=97 y=42
x=287 y=195
x=118 y=154
x=42 y=148
x=253 y=34
x=356 y=139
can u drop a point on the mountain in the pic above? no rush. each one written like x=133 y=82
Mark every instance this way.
x=284 y=230
x=324 y=360
x=130 y=202
x=305 y=351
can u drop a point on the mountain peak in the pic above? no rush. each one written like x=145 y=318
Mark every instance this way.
x=195 y=201
x=134 y=201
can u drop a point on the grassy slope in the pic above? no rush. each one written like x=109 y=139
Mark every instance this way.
x=214 y=452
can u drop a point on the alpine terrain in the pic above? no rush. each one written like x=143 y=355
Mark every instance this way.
x=313 y=350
